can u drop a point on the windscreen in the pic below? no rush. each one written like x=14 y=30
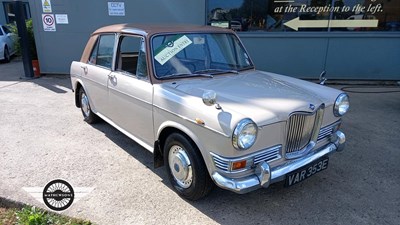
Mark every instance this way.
x=213 y=53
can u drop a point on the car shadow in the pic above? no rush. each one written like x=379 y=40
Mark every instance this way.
x=131 y=147
x=225 y=207
x=12 y=74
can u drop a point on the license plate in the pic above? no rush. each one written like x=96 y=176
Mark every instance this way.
x=306 y=171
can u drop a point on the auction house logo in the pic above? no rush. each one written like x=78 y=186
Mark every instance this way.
x=58 y=195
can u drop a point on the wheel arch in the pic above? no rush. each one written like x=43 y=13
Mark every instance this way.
x=77 y=89
x=77 y=86
x=164 y=131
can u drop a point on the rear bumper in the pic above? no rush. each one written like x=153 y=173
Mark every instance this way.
x=264 y=175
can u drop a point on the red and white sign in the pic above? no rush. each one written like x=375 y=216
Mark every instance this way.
x=49 y=23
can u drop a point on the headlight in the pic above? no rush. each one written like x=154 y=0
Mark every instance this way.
x=341 y=105
x=244 y=135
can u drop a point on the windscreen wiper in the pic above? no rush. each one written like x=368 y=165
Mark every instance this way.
x=216 y=71
x=247 y=68
x=182 y=75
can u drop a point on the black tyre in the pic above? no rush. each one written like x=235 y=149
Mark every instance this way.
x=186 y=169
x=87 y=112
x=7 y=56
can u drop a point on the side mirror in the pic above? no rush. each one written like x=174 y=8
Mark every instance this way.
x=322 y=78
x=210 y=98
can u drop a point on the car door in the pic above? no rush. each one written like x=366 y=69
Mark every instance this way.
x=130 y=91
x=96 y=72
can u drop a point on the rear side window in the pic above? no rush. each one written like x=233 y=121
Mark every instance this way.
x=102 y=53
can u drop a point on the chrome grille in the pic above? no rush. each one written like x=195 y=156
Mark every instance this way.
x=327 y=131
x=220 y=163
x=266 y=155
x=302 y=129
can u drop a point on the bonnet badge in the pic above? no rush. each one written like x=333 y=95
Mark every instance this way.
x=311 y=106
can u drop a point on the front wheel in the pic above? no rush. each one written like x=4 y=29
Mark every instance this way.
x=87 y=112
x=7 y=56
x=186 y=169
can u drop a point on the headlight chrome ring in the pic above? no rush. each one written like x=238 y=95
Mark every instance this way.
x=245 y=134
x=342 y=105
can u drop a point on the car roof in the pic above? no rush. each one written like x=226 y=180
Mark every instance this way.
x=150 y=29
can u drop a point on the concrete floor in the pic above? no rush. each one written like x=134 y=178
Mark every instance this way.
x=43 y=137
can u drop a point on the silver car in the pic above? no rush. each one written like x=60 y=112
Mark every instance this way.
x=192 y=96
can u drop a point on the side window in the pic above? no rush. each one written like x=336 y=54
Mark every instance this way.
x=6 y=30
x=104 y=51
x=132 y=56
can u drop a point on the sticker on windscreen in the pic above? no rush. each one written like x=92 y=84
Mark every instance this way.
x=168 y=50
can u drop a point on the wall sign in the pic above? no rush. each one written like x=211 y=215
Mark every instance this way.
x=116 y=8
x=305 y=15
x=49 y=23
x=46 y=5
x=62 y=18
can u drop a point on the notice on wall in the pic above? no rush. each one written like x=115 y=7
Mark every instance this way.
x=62 y=18
x=49 y=23
x=46 y=5
x=116 y=8
x=354 y=16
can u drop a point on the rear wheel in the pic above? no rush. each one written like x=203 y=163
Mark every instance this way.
x=186 y=169
x=87 y=112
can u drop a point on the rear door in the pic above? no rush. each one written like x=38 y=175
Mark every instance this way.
x=96 y=73
x=130 y=91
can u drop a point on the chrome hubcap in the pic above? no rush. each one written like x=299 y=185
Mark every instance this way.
x=85 y=105
x=180 y=166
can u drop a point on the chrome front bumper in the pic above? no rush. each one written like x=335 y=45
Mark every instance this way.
x=264 y=175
